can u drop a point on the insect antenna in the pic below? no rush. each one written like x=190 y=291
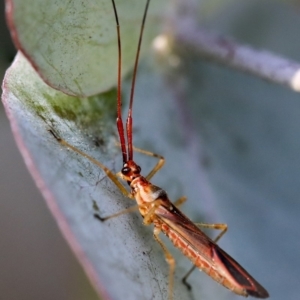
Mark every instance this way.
x=127 y=154
x=119 y=96
x=129 y=117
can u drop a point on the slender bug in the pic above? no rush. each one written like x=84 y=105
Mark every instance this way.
x=156 y=208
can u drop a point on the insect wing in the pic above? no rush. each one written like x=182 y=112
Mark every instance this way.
x=181 y=224
x=241 y=276
x=211 y=252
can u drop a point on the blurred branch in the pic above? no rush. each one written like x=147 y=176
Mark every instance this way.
x=224 y=50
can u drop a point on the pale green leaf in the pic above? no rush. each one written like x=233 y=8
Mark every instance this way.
x=72 y=44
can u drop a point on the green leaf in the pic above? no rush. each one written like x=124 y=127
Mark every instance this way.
x=231 y=145
x=72 y=44
x=120 y=255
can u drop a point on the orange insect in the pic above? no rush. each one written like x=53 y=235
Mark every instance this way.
x=156 y=208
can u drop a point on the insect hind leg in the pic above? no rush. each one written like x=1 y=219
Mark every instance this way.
x=170 y=260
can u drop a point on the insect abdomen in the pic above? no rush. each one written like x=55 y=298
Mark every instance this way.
x=201 y=263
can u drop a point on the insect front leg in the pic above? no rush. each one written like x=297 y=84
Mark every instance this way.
x=159 y=164
x=113 y=177
x=157 y=167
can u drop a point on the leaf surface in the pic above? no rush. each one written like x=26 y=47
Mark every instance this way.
x=120 y=255
x=231 y=145
x=72 y=44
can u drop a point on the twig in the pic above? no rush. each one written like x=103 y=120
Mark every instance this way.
x=260 y=63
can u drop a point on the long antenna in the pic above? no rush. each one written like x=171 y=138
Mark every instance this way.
x=119 y=98
x=129 y=117
x=120 y=126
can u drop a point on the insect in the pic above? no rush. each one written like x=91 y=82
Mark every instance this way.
x=156 y=208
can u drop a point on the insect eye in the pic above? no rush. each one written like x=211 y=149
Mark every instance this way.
x=125 y=170
x=137 y=170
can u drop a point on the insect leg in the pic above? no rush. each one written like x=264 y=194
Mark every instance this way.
x=217 y=226
x=223 y=228
x=122 y=212
x=113 y=177
x=170 y=260
x=148 y=219
x=157 y=167
x=108 y=172
x=180 y=201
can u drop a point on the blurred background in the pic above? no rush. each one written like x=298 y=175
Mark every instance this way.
x=35 y=260
x=251 y=133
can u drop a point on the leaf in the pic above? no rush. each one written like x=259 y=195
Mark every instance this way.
x=231 y=145
x=72 y=45
x=120 y=255
x=249 y=133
